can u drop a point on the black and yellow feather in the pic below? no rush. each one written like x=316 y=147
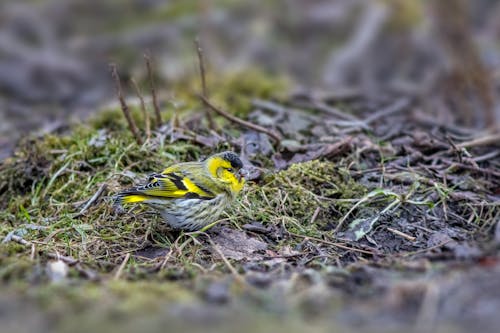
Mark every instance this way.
x=186 y=192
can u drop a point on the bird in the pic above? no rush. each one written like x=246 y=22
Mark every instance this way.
x=191 y=195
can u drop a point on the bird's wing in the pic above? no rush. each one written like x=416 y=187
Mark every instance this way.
x=177 y=184
x=179 y=181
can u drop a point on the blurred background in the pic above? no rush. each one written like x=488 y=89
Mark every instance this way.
x=55 y=54
x=442 y=55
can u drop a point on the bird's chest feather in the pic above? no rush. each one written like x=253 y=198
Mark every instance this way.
x=193 y=213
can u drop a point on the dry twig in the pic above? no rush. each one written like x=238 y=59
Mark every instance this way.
x=323 y=107
x=68 y=260
x=124 y=106
x=233 y=270
x=482 y=141
x=19 y=240
x=315 y=215
x=339 y=245
x=204 y=90
x=398 y=106
x=144 y=110
x=156 y=106
x=122 y=267
x=241 y=122
x=402 y=234
x=103 y=188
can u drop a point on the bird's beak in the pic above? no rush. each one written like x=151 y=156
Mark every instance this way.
x=241 y=174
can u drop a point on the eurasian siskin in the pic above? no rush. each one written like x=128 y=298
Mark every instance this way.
x=191 y=195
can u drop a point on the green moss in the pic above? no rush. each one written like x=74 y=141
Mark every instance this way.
x=51 y=177
x=291 y=197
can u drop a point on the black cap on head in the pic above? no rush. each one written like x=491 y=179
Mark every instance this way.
x=232 y=158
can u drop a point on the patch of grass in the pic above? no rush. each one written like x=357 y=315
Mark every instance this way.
x=50 y=178
x=291 y=197
x=141 y=265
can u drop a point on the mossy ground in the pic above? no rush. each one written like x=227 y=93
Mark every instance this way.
x=50 y=178
x=131 y=265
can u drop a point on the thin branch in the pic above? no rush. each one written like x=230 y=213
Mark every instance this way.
x=201 y=64
x=18 y=240
x=399 y=105
x=489 y=171
x=124 y=106
x=67 y=259
x=339 y=245
x=437 y=246
x=156 y=106
x=493 y=139
x=402 y=234
x=122 y=267
x=486 y=157
x=315 y=215
x=144 y=110
x=231 y=268
x=396 y=107
x=241 y=122
x=103 y=188
x=322 y=106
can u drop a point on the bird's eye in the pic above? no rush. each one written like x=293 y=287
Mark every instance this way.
x=230 y=169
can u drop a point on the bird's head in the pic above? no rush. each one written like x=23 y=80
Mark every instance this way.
x=227 y=168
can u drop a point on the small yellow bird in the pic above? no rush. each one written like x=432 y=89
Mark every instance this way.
x=191 y=195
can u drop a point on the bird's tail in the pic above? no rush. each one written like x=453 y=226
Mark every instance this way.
x=130 y=196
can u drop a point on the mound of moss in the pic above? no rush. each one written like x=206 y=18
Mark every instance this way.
x=48 y=181
x=291 y=197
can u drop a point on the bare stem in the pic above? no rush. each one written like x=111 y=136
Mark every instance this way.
x=122 y=267
x=124 y=106
x=156 y=106
x=144 y=110
x=103 y=188
x=482 y=141
x=239 y=121
x=201 y=63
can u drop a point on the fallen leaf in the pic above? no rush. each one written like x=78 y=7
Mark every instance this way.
x=238 y=245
